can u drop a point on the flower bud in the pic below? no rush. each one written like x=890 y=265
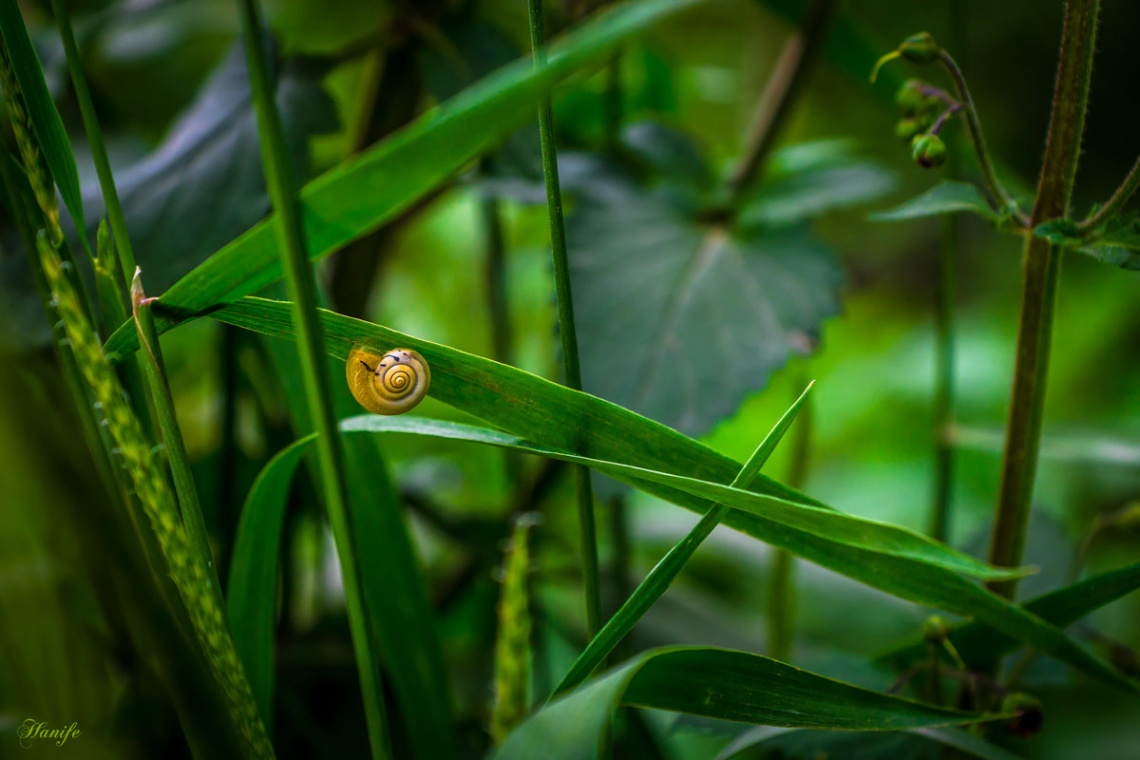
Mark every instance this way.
x=906 y=129
x=934 y=630
x=1027 y=719
x=910 y=98
x=919 y=48
x=928 y=151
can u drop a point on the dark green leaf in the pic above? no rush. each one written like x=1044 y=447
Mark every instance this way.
x=208 y=167
x=947 y=197
x=979 y=643
x=359 y=196
x=48 y=127
x=720 y=684
x=679 y=320
x=1117 y=244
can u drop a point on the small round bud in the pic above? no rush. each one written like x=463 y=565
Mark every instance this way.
x=1027 y=720
x=928 y=151
x=919 y=48
x=911 y=97
x=906 y=129
x=934 y=630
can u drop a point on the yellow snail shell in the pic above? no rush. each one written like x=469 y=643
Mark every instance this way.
x=389 y=383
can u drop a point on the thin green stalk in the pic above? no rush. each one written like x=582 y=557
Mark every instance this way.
x=571 y=369
x=664 y=572
x=1116 y=203
x=781 y=582
x=793 y=68
x=302 y=289
x=944 y=379
x=944 y=299
x=1039 y=289
x=989 y=174
x=95 y=139
x=176 y=453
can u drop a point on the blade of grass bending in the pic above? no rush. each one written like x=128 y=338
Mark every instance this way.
x=529 y=406
x=662 y=575
x=587 y=529
x=360 y=195
x=301 y=284
x=176 y=454
x=722 y=684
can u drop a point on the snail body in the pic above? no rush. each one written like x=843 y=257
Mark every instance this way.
x=392 y=382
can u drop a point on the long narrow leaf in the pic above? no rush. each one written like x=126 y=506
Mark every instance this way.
x=661 y=576
x=359 y=196
x=978 y=643
x=766 y=742
x=42 y=111
x=527 y=406
x=251 y=594
x=406 y=637
x=716 y=683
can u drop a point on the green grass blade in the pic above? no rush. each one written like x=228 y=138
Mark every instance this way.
x=721 y=684
x=45 y=118
x=360 y=195
x=251 y=594
x=570 y=420
x=978 y=643
x=403 y=623
x=664 y=572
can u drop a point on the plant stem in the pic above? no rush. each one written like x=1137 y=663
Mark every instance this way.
x=1039 y=289
x=302 y=288
x=176 y=453
x=95 y=140
x=944 y=298
x=566 y=329
x=975 y=125
x=1116 y=203
x=792 y=70
x=781 y=579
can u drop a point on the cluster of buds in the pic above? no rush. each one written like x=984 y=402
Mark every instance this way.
x=925 y=109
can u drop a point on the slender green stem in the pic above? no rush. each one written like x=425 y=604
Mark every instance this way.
x=1039 y=289
x=95 y=139
x=944 y=380
x=781 y=577
x=1116 y=203
x=302 y=288
x=571 y=369
x=664 y=572
x=989 y=174
x=793 y=68
x=176 y=453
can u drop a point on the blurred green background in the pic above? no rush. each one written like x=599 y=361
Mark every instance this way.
x=874 y=367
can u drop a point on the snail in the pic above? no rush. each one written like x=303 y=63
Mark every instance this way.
x=389 y=383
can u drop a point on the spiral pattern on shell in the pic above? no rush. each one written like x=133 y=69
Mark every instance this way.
x=389 y=383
